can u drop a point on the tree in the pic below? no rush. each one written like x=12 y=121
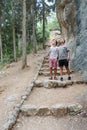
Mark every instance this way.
x=43 y=3
x=34 y=27
x=13 y=28
x=44 y=11
x=24 y=55
x=1 y=54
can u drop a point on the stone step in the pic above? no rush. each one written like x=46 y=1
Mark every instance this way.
x=47 y=98
x=45 y=65
x=45 y=61
x=57 y=83
x=47 y=69
x=45 y=73
x=55 y=110
x=46 y=58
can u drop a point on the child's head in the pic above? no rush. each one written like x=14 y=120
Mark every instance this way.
x=62 y=42
x=54 y=42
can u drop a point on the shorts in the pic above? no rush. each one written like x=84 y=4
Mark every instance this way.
x=63 y=63
x=53 y=63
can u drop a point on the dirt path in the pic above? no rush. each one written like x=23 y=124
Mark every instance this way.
x=51 y=108
x=52 y=123
x=13 y=82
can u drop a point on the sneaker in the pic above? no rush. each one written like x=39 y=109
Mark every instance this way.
x=69 y=78
x=55 y=78
x=61 y=78
x=50 y=78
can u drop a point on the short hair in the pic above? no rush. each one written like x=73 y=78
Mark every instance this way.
x=64 y=40
x=55 y=41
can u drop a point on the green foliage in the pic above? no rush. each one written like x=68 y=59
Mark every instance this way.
x=6 y=25
x=40 y=34
x=29 y=48
x=53 y=23
x=39 y=46
x=58 y=1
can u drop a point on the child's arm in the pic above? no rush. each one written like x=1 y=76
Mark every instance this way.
x=68 y=51
x=68 y=58
x=49 y=52
x=57 y=53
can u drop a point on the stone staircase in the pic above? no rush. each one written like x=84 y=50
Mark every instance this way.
x=53 y=104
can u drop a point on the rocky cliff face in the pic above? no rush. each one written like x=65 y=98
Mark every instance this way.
x=72 y=17
x=65 y=10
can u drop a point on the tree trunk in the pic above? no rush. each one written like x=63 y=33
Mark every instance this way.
x=43 y=24
x=13 y=28
x=34 y=30
x=1 y=54
x=19 y=44
x=24 y=57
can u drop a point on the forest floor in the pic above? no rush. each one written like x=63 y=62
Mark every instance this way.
x=13 y=82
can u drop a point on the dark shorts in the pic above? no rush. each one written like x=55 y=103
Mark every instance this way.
x=63 y=63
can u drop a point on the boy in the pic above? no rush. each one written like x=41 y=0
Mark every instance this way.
x=64 y=58
x=53 y=54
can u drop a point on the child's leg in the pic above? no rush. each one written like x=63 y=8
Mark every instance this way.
x=55 y=72
x=55 y=68
x=66 y=63
x=61 y=71
x=61 y=67
x=51 y=66
x=68 y=70
x=50 y=71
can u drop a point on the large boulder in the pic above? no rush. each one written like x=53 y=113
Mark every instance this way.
x=65 y=10
x=72 y=17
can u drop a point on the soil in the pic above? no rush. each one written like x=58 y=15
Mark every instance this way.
x=48 y=97
x=52 y=123
x=13 y=82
